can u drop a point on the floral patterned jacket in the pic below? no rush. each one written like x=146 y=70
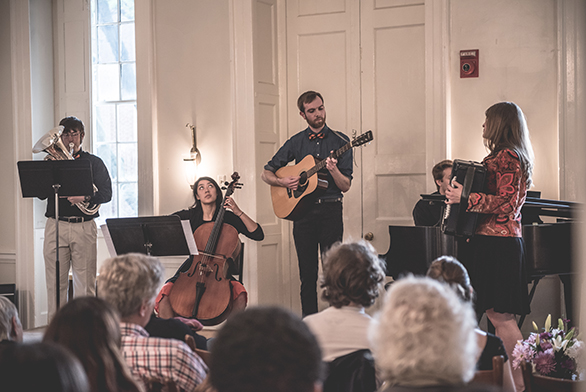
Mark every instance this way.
x=505 y=192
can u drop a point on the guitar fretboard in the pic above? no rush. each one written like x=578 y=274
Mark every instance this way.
x=335 y=155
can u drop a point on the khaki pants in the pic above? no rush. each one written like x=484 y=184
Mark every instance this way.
x=78 y=250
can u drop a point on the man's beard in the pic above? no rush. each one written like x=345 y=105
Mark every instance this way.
x=317 y=123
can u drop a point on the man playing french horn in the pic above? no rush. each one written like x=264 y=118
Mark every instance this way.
x=77 y=228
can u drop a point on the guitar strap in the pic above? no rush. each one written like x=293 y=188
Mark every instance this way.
x=339 y=134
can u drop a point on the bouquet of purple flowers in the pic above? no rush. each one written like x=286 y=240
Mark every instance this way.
x=553 y=352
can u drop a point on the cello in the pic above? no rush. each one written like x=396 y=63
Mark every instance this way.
x=204 y=291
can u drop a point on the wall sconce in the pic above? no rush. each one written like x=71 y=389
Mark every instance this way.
x=192 y=161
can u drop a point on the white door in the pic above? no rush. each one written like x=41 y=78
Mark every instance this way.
x=371 y=60
x=393 y=105
x=368 y=60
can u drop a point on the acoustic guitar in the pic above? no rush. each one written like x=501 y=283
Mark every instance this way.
x=292 y=204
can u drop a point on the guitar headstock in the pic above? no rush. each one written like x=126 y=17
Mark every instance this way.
x=233 y=185
x=362 y=139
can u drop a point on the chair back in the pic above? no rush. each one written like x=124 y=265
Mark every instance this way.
x=539 y=383
x=204 y=355
x=354 y=372
x=236 y=267
x=154 y=384
x=491 y=377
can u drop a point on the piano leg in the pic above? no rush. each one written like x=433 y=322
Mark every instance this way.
x=535 y=279
x=567 y=282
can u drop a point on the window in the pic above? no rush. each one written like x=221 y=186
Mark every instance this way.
x=114 y=116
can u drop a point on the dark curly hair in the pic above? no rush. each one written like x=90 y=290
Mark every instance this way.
x=353 y=272
x=72 y=123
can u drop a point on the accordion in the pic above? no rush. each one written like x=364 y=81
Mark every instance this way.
x=456 y=221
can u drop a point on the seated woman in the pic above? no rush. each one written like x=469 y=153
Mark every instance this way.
x=208 y=201
x=353 y=275
x=41 y=367
x=424 y=337
x=90 y=329
x=449 y=270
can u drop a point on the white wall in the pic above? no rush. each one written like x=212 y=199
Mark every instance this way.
x=518 y=62
x=518 y=46
x=8 y=188
x=193 y=64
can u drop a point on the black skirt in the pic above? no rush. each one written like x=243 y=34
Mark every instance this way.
x=497 y=272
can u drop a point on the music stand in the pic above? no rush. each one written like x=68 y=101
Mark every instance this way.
x=61 y=178
x=150 y=235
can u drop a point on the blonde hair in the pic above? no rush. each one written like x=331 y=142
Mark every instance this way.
x=506 y=128
x=424 y=335
x=126 y=281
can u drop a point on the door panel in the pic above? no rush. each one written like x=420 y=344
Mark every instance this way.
x=393 y=105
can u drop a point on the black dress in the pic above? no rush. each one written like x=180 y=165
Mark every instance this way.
x=494 y=346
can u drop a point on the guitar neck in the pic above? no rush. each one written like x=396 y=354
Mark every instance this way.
x=335 y=155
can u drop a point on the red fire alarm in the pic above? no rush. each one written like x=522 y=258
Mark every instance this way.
x=469 y=63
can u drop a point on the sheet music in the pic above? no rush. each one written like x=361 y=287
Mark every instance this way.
x=189 y=237
x=108 y=239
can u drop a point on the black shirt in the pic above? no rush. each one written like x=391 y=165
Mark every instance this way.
x=428 y=213
x=299 y=146
x=101 y=179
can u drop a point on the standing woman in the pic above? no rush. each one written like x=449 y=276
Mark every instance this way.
x=495 y=256
x=208 y=201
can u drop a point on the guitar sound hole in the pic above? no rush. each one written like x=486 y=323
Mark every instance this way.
x=303 y=179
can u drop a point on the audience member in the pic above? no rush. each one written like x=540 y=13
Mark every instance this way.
x=449 y=270
x=90 y=329
x=41 y=367
x=130 y=284
x=353 y=276
x=424 y=338
x=265 y=349
x=10 y=326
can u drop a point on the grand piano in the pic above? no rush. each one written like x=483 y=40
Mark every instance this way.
x=548 y=245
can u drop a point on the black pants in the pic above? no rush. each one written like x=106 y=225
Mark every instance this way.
x=323 y=226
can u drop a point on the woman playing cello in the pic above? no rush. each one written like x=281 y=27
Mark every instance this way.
x=208 y=201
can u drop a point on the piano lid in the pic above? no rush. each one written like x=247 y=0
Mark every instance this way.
x=535 y=207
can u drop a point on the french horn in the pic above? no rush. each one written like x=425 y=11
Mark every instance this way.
x=52 y=144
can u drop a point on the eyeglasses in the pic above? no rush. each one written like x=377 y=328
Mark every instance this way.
x=70 y=134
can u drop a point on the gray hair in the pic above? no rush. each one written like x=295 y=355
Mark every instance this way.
x=7 y=312
x=424 y=335
x=126 y=281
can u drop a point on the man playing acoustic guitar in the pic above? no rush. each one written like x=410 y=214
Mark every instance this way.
x=321 y=223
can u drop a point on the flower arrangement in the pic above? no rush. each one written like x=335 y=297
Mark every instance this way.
x=553 y=352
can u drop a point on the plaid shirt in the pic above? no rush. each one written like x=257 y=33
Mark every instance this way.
x=159 y=358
